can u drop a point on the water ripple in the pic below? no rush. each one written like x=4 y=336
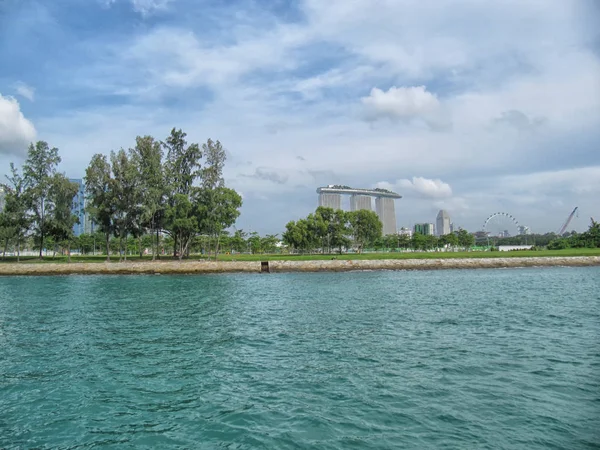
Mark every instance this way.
x=371 y=360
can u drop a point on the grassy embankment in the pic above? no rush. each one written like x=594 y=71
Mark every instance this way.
x=317 y=257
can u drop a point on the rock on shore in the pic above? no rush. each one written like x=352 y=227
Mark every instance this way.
x=192 y=267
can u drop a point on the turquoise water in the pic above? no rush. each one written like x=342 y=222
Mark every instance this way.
x=443 y=359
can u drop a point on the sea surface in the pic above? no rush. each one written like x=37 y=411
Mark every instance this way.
x=498 y=359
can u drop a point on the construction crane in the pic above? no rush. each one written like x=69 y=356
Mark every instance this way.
x=567 y=222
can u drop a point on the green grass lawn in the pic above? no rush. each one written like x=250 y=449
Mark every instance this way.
x=419 y=255
x=353 y=256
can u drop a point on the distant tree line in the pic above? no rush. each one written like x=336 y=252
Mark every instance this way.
x=328 y=230
x=159 y=190
x=587 y=239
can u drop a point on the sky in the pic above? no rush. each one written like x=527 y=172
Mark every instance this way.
x=471 y=106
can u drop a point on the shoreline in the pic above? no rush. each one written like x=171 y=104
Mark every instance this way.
x=210 y=267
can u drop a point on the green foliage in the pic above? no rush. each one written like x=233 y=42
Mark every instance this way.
x=182 y=222
x=365 y=226
x=38 y=170
x=15 y=219
x=465 y=239
x=587 y=239
x=137 y=192
x=99 y=188
x=61 y=219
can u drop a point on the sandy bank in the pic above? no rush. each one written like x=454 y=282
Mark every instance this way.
x=191 y=267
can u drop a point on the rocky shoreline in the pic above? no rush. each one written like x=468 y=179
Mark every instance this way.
x=207 y=267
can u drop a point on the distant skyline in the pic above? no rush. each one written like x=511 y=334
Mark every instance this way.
x=470 y=107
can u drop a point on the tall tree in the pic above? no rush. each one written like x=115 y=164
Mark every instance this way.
x=182 y=169
x=61 y=218
x=217 y=205
x=38 y=170
x=99 y=187
x=15 y=216
x=340 y=230
x=182 y=222
x=147 y=157
x=214 y=162
x=366 y=227
x=182 y=164
x=465 y=239
x=127 y=198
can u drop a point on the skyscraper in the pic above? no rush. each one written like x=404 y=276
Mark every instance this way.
x=358 y=202
x=442 y=223
x=384 y=206
x=330 y=200
x=424 y=228
x=78 y=207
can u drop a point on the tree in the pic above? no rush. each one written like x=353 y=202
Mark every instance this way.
x=183 y=223
x=126 y=197
x=339 y=230
x=147 y=157
x=465 y=239
x=182 y=166
x=238 y=241
x=85 y=243
x=418 y=241
x=15 y=218
x=38 y=170
x=298 y=237
x=99 y=187
x=218 y=210
x=182 y=169
x=212 y=174
x=61 y=219
x=255 y=243
x=269 y=243
x=366 y=227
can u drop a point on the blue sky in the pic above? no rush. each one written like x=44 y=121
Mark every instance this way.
x=470 y=106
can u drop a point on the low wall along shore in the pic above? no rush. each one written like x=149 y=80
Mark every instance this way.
x=199 y=267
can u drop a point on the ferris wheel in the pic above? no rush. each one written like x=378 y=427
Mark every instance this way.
x=501 y=224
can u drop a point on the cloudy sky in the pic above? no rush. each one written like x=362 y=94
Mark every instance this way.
x=467 y=105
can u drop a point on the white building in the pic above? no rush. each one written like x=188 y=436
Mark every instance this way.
x=442 y=223
x=384 y=206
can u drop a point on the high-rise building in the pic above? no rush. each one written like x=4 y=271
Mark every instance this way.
x=424 y=228
x=330 y=200
x=78 y=207
x=442 y=223
x=358 y=202
x=384 y=206
x=524 y=230
x=405 y=232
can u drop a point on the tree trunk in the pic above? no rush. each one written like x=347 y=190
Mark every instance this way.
x=18 y=249
x=108 y=247
x=5 y=249
x=141 y=252
x=217 y=246
x=156 y=255
x=69 y=251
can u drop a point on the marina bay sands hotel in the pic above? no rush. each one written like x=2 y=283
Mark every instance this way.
x=331 y=197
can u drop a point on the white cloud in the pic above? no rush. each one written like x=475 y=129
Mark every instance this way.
x=145 y=7
x=403 y=103
x=400 y=103
x=16 y=132
x=25 y=90
x=426 y=188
